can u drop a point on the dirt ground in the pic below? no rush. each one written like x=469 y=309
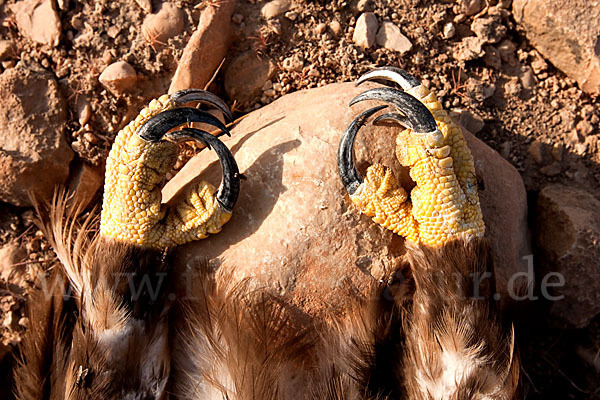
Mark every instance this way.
x=528 y=111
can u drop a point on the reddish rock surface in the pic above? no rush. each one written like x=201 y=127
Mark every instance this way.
x=246 y=75
x=274 y=8
x=365 y=31
x=567 y=33
x=206 y=49
x=294 y=229
x=568 y=237
x=37 y=20
x=84 y=183
x=391 y=37
x=167 y=22
x=118 y=77
x=34 y=155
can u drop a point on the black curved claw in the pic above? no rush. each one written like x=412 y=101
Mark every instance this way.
x=157 y=126
x=229 y=188
x=399 y=76
x=182 y=97
x=350 y=176
x=418 y=117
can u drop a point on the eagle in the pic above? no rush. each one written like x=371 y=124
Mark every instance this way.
x=111 y=322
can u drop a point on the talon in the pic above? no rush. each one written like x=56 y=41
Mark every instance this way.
x=444 y=203
x=141 y=156
x=229 y=188
x=393 y=74
x=415 y=115
x=182 y=97
x=157 y=126
x=350 y=176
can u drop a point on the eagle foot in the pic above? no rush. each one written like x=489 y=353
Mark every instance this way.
x=142 y=154
x=444 y=204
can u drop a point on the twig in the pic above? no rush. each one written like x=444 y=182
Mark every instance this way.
x=214 y=76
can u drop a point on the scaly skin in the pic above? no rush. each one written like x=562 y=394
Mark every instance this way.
x=132 y=210
x=444 y=204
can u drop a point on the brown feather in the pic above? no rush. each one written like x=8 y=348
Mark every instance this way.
x=456 y=346
x=43 y=350
x=113 y=342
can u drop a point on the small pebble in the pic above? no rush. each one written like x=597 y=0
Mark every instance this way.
x=268 y=85
x=335 y=27
x=584 y=128
x=390 y=37
x=320 y=28
x=449 y=30
x=536 y=151
x=291 y=15
x=118 y=77
x=8 y=64
x=274 y=8
x=6 y=49
x=293 y=63
x=365 y=30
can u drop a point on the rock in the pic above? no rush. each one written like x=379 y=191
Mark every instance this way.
x=365 y=30
x=364 y=5
x=537 y=152
x=335 y=27
x=294 y=229
x=294 y=62
x=488 y=90
x=449 y=30
x=34 y=154
x=6 y=50
x=390 y=37
x=274 y=8
x=505 y=149
x=538 y=64
x=584 y=128
x=472 y=122
x=320 y=29
x=567 y=33
x=84 y=183
x=470 y=48
x=12 y=268
x=206 y=49
x=512 y=87
x=84 y=110
x=527 y=78
x=470 y=7
x=145 y=5
x=38 y=21
x=568 y=236
x=504 y=206
x=489 y=29
x=118 y=77
x=491 y=58
x=168 y=22
x=553 y=169
x=246 y=75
